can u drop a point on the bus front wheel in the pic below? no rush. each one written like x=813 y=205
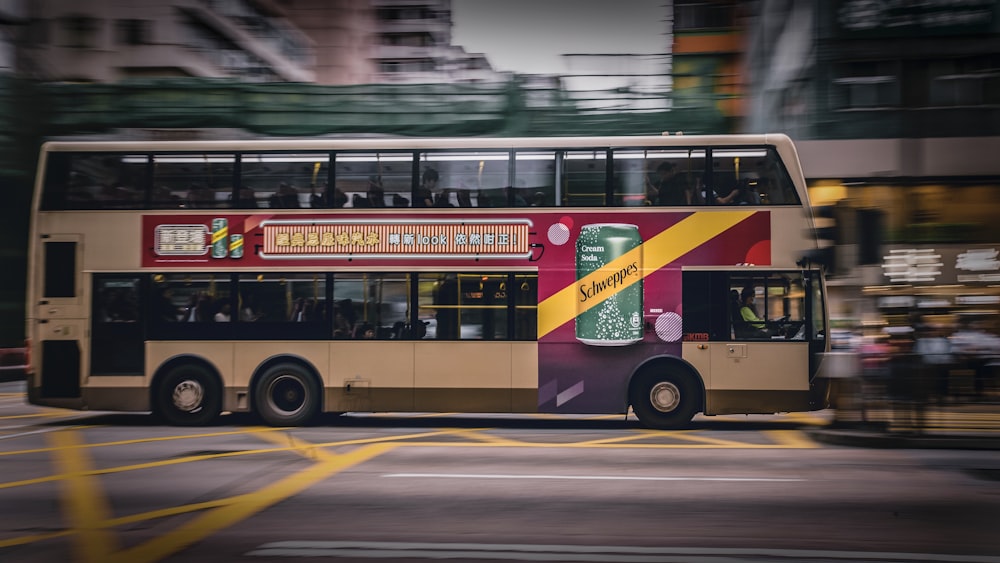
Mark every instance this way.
x=664 y=400
x=188 y=395
x=286 y=395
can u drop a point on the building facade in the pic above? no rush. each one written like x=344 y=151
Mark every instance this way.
x=344 y=35
x=708 y=48
x=113 y=40
x=414 y=45
x=896 y=108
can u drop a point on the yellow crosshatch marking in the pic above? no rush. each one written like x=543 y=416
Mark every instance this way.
x=674 y=242
x=91 y=524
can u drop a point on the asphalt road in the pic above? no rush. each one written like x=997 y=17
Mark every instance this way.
x=96 y=487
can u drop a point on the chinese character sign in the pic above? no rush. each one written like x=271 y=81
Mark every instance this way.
x=390 y=239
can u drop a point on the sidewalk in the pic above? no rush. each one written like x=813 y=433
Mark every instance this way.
x=958 y=425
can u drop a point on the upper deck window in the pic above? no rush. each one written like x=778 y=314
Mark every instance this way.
x=94 y=181
x=283 y=181
x=194 y=181
x=497 y=178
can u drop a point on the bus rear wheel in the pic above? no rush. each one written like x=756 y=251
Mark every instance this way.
x=188 y=395
x=664 y=400
x=286 y=395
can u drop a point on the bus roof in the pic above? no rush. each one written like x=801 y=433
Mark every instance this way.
x=405 y=143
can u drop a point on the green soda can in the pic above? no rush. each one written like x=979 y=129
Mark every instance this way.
x=220 y=236
x=236 y=245
x=609 y=292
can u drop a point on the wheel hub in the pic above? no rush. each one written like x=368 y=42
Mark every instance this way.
x=188 y=395
x=287 y=394
x=665 y=396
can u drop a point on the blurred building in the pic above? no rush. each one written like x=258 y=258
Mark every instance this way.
x=895 y=107
x=13 y=16
x=414 y=45
x=614 y=82
x=111 y=40
x=337 y=42
x=708 y=47
x=344 y=34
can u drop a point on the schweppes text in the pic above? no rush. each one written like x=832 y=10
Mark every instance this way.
x=618 y=278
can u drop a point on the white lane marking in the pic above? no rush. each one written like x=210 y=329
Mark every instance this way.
x=601 y=553
x=586 y=477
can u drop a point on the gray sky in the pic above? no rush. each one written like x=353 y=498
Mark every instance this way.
x=528 y=36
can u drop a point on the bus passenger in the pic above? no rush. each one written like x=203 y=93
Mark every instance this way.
x=376 y=195
x=425 y=192
x=245 y=199
x=669 y=189
x=444 y=198
x=335 y=198
x=286 y=197
x=748 y=312
x=223 y=315
x=712 y=196
x=164 y=308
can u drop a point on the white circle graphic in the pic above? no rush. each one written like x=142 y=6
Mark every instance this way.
x=669 y=327
x=558 y=234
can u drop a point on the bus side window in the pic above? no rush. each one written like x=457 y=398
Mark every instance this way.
x=704 y=305
x=584 y=178
x=773 y=182
x=60 y=269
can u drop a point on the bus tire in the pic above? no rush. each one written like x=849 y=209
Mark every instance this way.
x=665 y=400
x=188 y=394
x=286 y=394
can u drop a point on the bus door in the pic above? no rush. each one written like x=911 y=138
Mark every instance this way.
x=60 y=316
x=752 y=336
x=117 y=342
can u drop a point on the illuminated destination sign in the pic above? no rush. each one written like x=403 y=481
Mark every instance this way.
x=437 y=238
x=181 y=240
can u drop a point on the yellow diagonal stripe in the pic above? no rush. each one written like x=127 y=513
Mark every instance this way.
x=224 y=516
x=674 y=242
x=84 y=502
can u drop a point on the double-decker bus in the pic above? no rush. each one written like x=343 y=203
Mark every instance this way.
x=525 y=275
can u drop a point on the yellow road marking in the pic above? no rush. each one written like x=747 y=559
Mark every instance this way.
x=84 y=503
x=144 y=440
x=306 y=449
x=222 y=517
x=188 y=459
x=806 y=418
x=491 y=439
x=66 y=447
x=41 y=415
x=137 y=466
x=791 y=438
x=172 y=511
x=23 y=540
x=674 y=242
x=685 y=435
x=697 y=443
x=617 y=439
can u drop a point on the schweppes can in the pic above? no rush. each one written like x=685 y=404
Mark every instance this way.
x=236 y=245
x=609 y=284
x=220 y=237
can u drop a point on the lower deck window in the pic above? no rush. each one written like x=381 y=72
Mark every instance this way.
x=347 y=306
